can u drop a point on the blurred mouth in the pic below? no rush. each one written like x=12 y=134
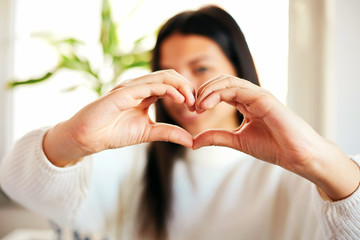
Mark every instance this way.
x=189 y=117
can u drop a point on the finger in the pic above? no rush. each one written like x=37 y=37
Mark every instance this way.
x=123 y=84
x=215 y=137
x=209 y=82
x=257 y=102
x=169 y=77
x=128 y=97
x=214 y=98
x=178 y=81
x=169 y=133
x=148 y=101
x=226 y=81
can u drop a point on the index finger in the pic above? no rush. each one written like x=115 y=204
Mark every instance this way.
x=131 y=96
x=248 y=89
x=169 y=77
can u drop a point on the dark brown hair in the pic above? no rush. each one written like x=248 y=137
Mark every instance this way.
x=216 y=24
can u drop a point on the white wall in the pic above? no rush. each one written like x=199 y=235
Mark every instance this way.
x=6 y=37
x=324 y=63
x=307 y=60
x=345 y=70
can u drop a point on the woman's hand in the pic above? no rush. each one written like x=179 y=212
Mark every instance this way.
x=120 y=118
x=273 y=133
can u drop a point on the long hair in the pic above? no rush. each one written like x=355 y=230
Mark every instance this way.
x=216 y=24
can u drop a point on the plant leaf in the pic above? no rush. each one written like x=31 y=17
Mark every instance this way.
x=108 y=37
x=75 y=63
x=15 y=83
x=71 y=41
x=69 y=89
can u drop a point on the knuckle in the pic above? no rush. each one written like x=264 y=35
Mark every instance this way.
x=224 y=75
x=232 y=80
x=266 y=93
x=168 y=71
x=165 y=74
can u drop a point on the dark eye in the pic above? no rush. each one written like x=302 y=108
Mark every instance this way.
x=201 y=69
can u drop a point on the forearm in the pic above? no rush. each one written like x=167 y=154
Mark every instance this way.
x=335 y=174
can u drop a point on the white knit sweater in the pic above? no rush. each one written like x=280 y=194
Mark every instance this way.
x=219 y=193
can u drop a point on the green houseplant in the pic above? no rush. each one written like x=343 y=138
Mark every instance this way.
x=69 y=57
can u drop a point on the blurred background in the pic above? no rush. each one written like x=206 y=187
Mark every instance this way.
x=307 y=54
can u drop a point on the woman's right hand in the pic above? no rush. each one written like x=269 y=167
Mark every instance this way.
x=120 y=119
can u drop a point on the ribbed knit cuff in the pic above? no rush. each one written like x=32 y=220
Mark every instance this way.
x=30 y=179
x=340 y=218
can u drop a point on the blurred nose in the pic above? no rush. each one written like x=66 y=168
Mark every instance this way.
x=189 y=76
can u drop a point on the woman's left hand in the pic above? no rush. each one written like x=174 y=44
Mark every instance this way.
x=273 y=133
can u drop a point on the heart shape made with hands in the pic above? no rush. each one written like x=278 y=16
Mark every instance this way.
x=254 y=102
x=251 y=100
x=270 y=131
x=194 y=139
x=203 y=103
x=121 y=118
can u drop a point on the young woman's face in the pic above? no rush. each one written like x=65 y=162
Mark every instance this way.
x=198 y=59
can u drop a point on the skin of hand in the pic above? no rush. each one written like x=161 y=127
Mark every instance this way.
x=120 y=119
x=270 y=131
x=273 y=133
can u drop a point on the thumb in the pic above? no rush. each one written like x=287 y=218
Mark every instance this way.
x=225 y=138
x=169 y=133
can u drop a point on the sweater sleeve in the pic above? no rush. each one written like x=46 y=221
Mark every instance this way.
x=341 y=219
x=27 y=176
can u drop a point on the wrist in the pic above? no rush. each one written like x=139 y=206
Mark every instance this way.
x=336 y=175
x=60 y=147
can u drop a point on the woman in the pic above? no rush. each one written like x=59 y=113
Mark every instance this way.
x=144 y=192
